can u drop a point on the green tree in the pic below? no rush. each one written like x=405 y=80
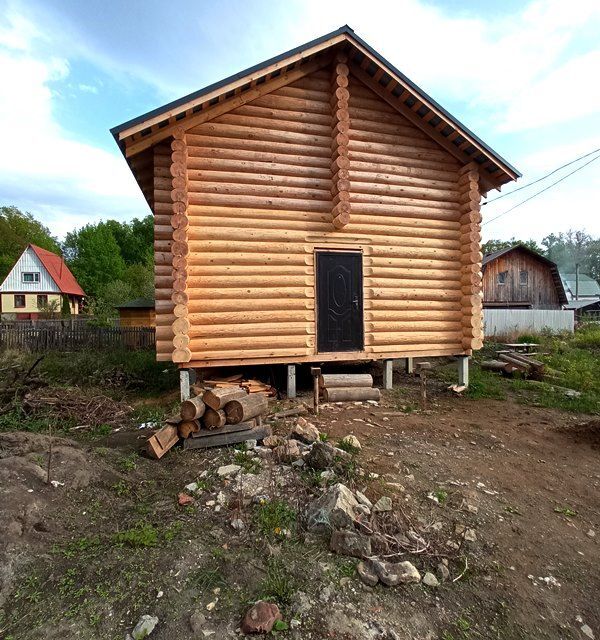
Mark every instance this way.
x=94 y=257
x=17 y=230
x=570 y=248
x=497 y=245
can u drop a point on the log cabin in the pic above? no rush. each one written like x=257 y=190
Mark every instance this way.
x=316 y=207
x=519 y=278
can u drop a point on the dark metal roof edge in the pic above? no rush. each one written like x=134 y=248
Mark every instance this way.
x=342 y=30
x=221 y=83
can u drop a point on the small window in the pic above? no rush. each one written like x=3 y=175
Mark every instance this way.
x=523 y=278
x=42 y=301
x=19 y=301
x=502 y=277
x=31 y=276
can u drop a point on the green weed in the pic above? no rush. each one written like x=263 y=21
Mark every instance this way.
x=565 y=511
x=275 y=518
x=249 y=464
x=279 y=584
x=143 y=534
x=129 y=463
x=348 y=447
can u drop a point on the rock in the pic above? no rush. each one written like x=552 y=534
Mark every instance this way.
x=305 y=431
x=221 y=498
x=197 y=621
x=350 y=543
x=362 y=498
x=183 y=499
x=192 y=487
x=591 y=533
x=392 y=574
x=288 y=451
x=382 y=505
x=324 y=456
x=273 y=441
x=261 y=617
x=251 y=444
x=430 y=580
x=443 y=572
x=335 y=509
x=301 y=603
x=379 y=544
x=366 y=572
x=353 y=441
x=144 y=627
x=228 y=470
x=587 y=631
x=470 y=535
x=238 y=524
x=362 y=511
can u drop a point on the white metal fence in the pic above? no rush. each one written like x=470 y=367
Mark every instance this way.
x=512 y=322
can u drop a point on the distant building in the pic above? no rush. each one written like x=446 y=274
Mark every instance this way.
x=521 y=278
x=587 y=288
x=39 y=280
x=137 y=313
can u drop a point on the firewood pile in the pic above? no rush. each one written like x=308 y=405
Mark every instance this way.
x=238 y=381
x=509 y=362
x=215 y=417
x=345 y=387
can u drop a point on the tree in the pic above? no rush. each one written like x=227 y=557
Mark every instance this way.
x=572 y=248
x=497 y=245
x=17 y=230
x=94 y=257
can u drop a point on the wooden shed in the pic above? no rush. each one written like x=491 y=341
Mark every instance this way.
x=137 y=313
x=316 y=207
x=518 y=277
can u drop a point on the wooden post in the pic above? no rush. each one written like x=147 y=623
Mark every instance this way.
x=409 y=365
x=422 y=370
x=184 y=384
x=291 y=381
x=388 y=370
x=463 y=370
x=316 y=372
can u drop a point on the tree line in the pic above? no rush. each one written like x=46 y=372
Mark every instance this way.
x=112 y=261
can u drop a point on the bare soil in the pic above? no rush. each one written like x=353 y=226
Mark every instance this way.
x=86 y=558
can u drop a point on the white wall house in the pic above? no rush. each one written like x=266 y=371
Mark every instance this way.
x=38 y=281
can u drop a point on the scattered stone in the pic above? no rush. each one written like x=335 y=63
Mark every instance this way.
x=251 y=444
x=382 y=505
x=350 y=543
x=261 y=617
x=301 y=603
x=144 y=627
x=273 y=441
x=587 y=631
x=324 y=456
x=298 y=463
x=238 y=524
x=192 y=487
x=443 y=572
x=305 y=431
x=397 y=486
x=197 y=621
x=183 y=499
x=470 y=535
x=211 y=605
x=221 y=498
x=228 y=470
x=430 y=580
x=335 y=509
x=353 y=441
x=288 y=451
x=591 y=533
x=392 y=574
x=379 y=544
x=366 y=572
x=362 y=511
x=362 y=498
x=294 y=623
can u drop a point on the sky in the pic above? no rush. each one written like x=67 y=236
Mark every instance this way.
x=524 y=76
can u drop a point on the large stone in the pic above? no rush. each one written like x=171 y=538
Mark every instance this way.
x=430 y=580
x=144 y=627
x=353 y=441
x=382 y=505
x=366 y=572
x=261 y=617
x=362 y=498
x=288 y=451
x=228 y=470
x=273 y=441
x=325 y=456
x=393 y=574
x=305 y=431
x=335 y=509
x=350 y=543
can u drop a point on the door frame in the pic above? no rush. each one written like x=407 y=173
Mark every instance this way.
x=360 y=253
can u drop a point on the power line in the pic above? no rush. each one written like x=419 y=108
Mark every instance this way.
x=530 y=184
x=544 y=189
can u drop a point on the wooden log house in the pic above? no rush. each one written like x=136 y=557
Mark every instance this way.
x=316 y=207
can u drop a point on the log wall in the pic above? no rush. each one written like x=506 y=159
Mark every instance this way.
x=263 y=183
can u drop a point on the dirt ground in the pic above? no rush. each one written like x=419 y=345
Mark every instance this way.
x=86 y=558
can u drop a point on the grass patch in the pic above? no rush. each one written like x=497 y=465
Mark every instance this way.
x=275 y=519
x=279 y=584
x=485 y=384
x=142 y=535
x=248 y=463
x=348 y=447
x=565 y=511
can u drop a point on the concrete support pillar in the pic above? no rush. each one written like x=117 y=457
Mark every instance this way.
x=184 y=384
x=410 y=365
x=291 y=381
x=388 y=371
x=463 y=370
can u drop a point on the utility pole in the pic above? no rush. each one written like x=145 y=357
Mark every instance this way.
x=577 y=281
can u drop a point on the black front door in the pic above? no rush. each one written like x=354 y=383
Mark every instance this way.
x=339 y=301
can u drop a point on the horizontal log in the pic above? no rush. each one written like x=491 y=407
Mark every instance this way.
x=244 y=409
x=333 y=380
x=235 y=177
x=239 y=319
x=406 y=191
x=267 y=190
x=187 y=427
x=251 y=116
x=350 y=394
x=267 y=202
x=250 y=259
x=247 y=330
x=221 y=305
x=413 y=294
x=198 y=156
x=204 y=345
x=399 y=157
x=452 y=275
x=201 y=143
x=412 y=326
x=214 y=419
x=415 y=199
x=217 y=398
x=360 y=179
x=418 y=142
x=394 y=338
x=414 y=315
x=193 y=408
x=246 y=133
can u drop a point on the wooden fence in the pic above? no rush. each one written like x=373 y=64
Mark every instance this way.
x=510 y=323
x=51 y=337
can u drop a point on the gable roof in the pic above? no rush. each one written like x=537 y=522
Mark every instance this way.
x=58 y=270
x=558 y=283
x=138 y=134
x=587 y=285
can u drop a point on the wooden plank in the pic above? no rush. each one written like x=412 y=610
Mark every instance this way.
x=163 y=440
x=228 y=428
x=223 y=439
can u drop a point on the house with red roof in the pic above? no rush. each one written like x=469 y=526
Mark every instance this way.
x=38 y=281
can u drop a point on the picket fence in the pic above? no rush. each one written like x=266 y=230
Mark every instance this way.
x=42 y=337
x=512 y=322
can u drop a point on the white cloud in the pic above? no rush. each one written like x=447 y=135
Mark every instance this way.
x=87 y=88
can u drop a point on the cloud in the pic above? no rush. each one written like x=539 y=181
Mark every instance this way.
x=87 y=88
